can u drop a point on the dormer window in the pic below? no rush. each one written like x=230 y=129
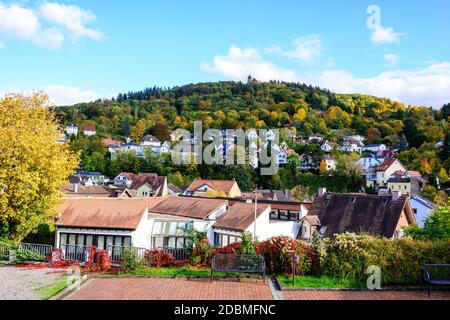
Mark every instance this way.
x=352 y=199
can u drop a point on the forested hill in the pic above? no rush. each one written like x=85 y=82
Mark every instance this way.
x=261 y=105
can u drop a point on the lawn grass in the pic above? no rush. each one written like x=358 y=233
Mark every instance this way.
x=187 y=271
x=47 y=292
x=319 y=282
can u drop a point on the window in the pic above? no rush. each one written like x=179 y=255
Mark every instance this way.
x=284 y=215
x=222 y=240
x=170 y=234
x=94 y=240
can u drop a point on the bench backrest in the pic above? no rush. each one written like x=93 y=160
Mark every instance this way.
x=437 y=271
x=238 y=263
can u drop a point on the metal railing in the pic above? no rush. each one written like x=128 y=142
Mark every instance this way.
x=42 y=250
x=74 y=252
x=177 y=253
x=116 y=253
x=4 y=252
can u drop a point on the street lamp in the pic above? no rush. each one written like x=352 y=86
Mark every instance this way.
x=254 y=222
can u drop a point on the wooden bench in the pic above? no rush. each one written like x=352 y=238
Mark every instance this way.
x=435 y=274
x=246 y=263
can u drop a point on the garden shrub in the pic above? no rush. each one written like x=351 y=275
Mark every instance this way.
x=28 y=255
x=232 y=248
x=103 y=263
x=247 y=245
x=400 y=261
x=131 y=260
x=202 y=254
x=279 y=260
x=158 y=258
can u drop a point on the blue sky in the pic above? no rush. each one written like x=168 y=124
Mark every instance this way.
x=80 y=50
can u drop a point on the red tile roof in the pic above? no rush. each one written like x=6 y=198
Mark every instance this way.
x=218 y=185
x=199 y=208
x=89 y=127
x=104 y=213
x=239 y=216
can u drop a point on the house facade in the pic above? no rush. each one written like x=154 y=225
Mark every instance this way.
x=89 y=130
x=157 y=222
x=421 y=207
x=72 y=129
x=374 y=148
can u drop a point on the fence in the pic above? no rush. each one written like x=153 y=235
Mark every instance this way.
x=177 y=253
x=116 y=253
x=41 y=250
x=74 y=252
x=4 y=252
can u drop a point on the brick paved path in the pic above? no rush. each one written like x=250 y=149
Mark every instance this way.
x=364 y=295
x=170 y=289
x=203 y=289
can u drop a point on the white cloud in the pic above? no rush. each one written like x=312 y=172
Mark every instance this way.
x=429 y=86
x=383 y=35
x=60 y=95
x=21 y=23
x=46 y=27
x=307 y=48
x=239 y=63
x=391 y=58
x=71 y=17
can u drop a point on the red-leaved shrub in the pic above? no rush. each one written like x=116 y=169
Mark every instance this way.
x=159 y=258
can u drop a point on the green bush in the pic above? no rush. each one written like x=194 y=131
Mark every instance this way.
x=131 y=260
x=28 y=255
x=400 y=261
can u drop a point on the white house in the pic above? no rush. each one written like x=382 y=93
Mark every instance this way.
x=72 y=129
x=422 y=208
x=352 y=146
x=355 y=137
x=374 y=148
x=330 y=162
x=150 y=141
x=239 y=218
x=315 y=138
x=384 y=172
x=369 y=162
x=124 y=179
x=153 y=223
x=89 y=130
x=328 y=146
x=103 y=223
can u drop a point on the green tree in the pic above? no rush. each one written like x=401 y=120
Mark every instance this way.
x=436 y=226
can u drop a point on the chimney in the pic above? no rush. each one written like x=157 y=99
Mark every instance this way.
x=396 y=195
x=321 y=192
x=75 y=187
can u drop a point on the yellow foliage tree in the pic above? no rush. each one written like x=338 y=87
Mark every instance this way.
x=425 y=166
x=300 y=115
x=138 y=131
x=33 y=166
x=323 y=167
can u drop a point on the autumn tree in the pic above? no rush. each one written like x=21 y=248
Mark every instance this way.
x=138 y=131
x=323 y=167
x=301 y=193
x=33 y=166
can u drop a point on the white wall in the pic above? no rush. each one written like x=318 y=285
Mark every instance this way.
x=265 y=228
x=423 y=210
